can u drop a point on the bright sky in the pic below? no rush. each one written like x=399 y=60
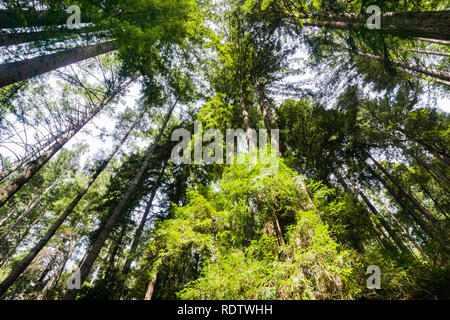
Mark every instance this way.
x=106 y=123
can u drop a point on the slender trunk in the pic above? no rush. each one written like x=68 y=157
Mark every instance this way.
x=380 y=218
x=31 y=206
x=10 y=39
x=279 y=232
x=140 y=229
x=445 y=158
x=439 y=153
x=53 y=282
x=383 y=240
x=22 y=70
x=427 y=192
x=441 y=42
x=7 y=192
x=357 y=239
x=40 y=284
x=433 y=53
x=6 y=172
x=9 y=215
x=425 y=24
x=137 y=235
x=434 y=173
x=438 y=74
x=151 y=287
x=12 y=250
x=113 y=254
x=405 y=232
x=404 y=191
x=422 y=223
x=245 y=115
x=269 y=119
x=266 y=112
x=19 y=268
x=95 y=248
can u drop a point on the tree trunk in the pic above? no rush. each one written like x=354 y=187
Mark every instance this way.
x=140 y=229
x=16 y=165
x=7 y=192
x=40 y=284
x=95 y=248
x=438 y=74
x=434 y=173
x=137 y=235
x=405 y=232
x=151 y=287
x=380 y=218
x=433 y=53
x=422 y=223
x=245 y=115
x=31 y=206
x=383 y=240
x=272 y=227
x=441 y=42
x=445 y=158
x=22 y=70
x=10 y=39
x=19 y=268
x=404 y=191
x=9 y=215
x=114 y=249
x=269 y=119
x=425 y=24
x=12 y=250
x=53 y=282
x=442 y=210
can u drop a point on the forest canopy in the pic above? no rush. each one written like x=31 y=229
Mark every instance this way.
x=224 y=150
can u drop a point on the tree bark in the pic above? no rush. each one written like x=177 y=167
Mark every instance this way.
x=266 y=113
x=96 y=247
x=12 y=250
x=139 y=230
x=10 y=39
x=151 y=287
x=424 y=24
x=433 y=53
x=380 y=218
x=49 y=234
x=405 y=232
x=7 y=192
x=441 y=75
x=445 y=158
x=9 y=215
x=31 y=206
x=434 y=173
x=383 y=240
x=441 y=42
x=404 y=191
x=5 y=173
x=422 y=223
x=22 y=70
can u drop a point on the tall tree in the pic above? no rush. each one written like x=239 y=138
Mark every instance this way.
x=19 y=268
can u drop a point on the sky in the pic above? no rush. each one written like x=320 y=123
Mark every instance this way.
x=106 y=123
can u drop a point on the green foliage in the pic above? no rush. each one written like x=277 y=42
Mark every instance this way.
x=229 y=223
